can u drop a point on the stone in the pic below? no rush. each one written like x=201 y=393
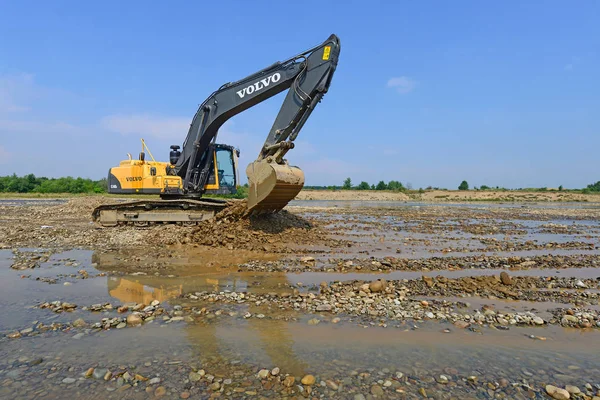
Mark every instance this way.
x=580 y=284
x=505 y=278
x=332 y=385
x=69 y=380
x=336 y=320
x=134 y=320
x=107 y=376
x=89 y=372
x=538 y=321
x=160 y=391
x=99 y=373
x=121 y=325
x=313 y=321
x=572 y=389
x=308 y=380
x=275 y=371
x=376 y=390
x=289 y=381
x=26 y=331
x=194 y=376
x=263 y=373
x=377 y=286
x=359 y=397
x=184 y=395
x=443 y=379
x=324 y=307
x=461 y=324
x=79 y=323
x=557 y=393
x=154 y=381
x=215 y=386
x=154 y=303
x=307 y=259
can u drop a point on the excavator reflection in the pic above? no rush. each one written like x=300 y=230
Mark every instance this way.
x=215 y=339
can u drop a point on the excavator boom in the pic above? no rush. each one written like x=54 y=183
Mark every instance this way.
x=273 y=183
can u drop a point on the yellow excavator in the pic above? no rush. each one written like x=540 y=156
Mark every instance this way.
x=201 y=166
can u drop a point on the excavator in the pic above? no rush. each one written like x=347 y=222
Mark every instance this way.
x=202 y=166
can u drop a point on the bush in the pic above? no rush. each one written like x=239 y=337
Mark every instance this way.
x=32 y=184
x=347 y=184
x=594 y=187
x=463 y=186
x=363 y=186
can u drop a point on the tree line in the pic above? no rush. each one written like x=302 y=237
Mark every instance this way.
x=33 y=184
x=395 y=186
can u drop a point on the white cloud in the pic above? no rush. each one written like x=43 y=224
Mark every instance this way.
x=148 y=125
x=402 y=84
x=4 y=156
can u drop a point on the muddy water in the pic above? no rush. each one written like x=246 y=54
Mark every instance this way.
x=354 y=354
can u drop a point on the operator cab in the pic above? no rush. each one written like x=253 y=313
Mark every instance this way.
x=223 y=177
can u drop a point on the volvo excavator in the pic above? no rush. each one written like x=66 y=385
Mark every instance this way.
x=202 y=166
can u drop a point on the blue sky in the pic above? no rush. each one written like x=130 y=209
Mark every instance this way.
x=429 y=93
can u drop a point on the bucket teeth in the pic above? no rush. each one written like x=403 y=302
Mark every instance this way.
x=272 y=186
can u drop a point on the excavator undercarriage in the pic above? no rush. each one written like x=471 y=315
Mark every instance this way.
x=204 y=167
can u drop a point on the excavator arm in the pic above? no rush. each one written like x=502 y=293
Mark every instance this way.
x=273 y=183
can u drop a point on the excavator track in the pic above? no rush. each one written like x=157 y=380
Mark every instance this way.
x=149 y=212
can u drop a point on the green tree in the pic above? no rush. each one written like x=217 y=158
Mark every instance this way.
x=463 y=186
x=381 y=186
x=560 y=188
x=363 y=186
x=396 y=186
x=373 y=187
x=484 y=187
x=594 y=187
x=347 y=184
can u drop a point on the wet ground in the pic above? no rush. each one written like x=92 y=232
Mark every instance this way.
x=366 y=301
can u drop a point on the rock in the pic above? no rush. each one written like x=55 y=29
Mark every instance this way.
x=461 y=324
x=324 y=307
x=581 y=285
x=313 y=321
x=184 y=395
x=121 y=325
x=336 y=320
x=107 y=376
x=377 y=286
x=89 y=372
x=263 y=373
x=332 y=385
x=69 y=380
x=154 y=303
x=443 y=379
x=154 y=381
x=215 y=386
x=538 y=321
x=14 y=335
x=275 y=371
x=134 y=320
x=359 y=397
x=572 y=389
x=502 y=321
x=557 y=393
x=308 y=380
x=307 y=259
x=505 y=278
x=160 y=391
x=99 y=373
x=289 y=381
x=26 y=331
x=376 y=390
x=193 y=376
x=79 y=323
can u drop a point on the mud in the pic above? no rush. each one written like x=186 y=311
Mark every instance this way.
x=358 y=300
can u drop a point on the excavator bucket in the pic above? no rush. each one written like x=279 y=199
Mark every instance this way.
x=272 y=186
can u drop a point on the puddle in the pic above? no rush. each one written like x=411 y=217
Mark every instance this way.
x=235 y=348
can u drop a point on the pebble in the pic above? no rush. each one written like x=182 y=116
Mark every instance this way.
x=572 y=389
x=69 y=380
x=376 y=390
x=160 y=391
x=314 y=321
x=99 y=373
x=505 y=278
x=184 y=395
x=134 y=319
x=308 y=380
x=193 y=377
x=121 y=325
x=275 y=371
x=263 y=373
x=332 y=385
x=557 y=393
x=336 y=320
x=154 y=381
x=538 y=321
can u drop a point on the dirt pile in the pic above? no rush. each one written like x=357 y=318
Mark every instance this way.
x=234 y=228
